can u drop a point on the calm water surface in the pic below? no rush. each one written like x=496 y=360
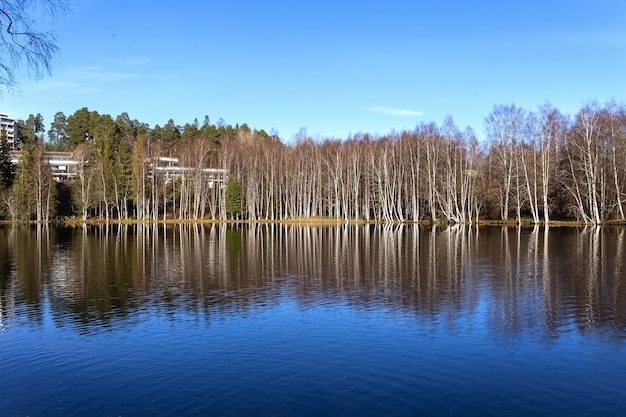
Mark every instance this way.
x=336 y=321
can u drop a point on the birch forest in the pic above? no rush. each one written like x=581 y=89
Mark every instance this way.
x=533 y=166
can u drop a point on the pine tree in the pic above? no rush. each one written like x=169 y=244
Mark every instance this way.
x=6 y=169
x=22 y=188
x=233 y=198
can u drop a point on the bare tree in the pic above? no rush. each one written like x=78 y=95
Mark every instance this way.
x=12 y=202
x=85 y=177
x=613 y=133
x=140 y=177
x=549 y=129
x=410 y=149
x=528 y=171
x=585 y=168
x=43 y=183
x=472 y=188
x=354 y=176
x=431 y=141
x=503 y=126
x=21 y=43
x=455 y=191
x=195 y=155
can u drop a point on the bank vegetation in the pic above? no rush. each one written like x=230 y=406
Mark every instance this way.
x=534 y=166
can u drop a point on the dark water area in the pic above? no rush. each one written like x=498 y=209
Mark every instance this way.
x=275 y=320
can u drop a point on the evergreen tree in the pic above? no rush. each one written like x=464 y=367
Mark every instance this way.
x=6 y=174
x=59 y=141
x=170 y=133
x=233 y=198
x=22 y=188
x=31 y=130
x=130 y=129
x=80 y=126
x=190 y=131
x=210 y=132
x=6 y=169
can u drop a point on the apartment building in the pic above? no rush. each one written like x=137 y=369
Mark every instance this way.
x=9 y=126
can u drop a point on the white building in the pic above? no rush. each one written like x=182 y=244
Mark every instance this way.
x=62 y=164
x=10 y=129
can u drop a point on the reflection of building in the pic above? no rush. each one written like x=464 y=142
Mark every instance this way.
x=9 y=126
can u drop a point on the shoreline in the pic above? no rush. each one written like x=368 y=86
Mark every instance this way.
x=316 y=221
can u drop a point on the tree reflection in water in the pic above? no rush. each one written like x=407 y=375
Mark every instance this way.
x=543 y=281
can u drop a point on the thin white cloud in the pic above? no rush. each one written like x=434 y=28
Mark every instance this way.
x=103 y=74
x=43 y=86
x=81 y=80
x=392 y=111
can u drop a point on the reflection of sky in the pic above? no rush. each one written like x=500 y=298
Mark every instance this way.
x=315 y=358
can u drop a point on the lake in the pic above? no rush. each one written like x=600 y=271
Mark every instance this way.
x=281 y=320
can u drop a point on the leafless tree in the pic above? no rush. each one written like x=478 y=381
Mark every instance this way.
x=21 y=42
x=585 y=171
x=503 y=126
x=549 y=128
x=43 y=183
x=85 y=177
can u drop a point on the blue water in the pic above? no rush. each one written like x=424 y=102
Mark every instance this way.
x=277 y=343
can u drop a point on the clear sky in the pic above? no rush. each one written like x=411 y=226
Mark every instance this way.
x=334 y=67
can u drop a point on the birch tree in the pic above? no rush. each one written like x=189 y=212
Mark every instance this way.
x=549 y=129
x=584 y=173
x=140 y=177
x=503 y=126
x=85 y=176
x=43 y=184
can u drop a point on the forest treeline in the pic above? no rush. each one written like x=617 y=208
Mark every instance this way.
x=533 y=166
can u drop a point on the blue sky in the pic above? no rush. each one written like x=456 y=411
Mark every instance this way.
x=334 y=67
